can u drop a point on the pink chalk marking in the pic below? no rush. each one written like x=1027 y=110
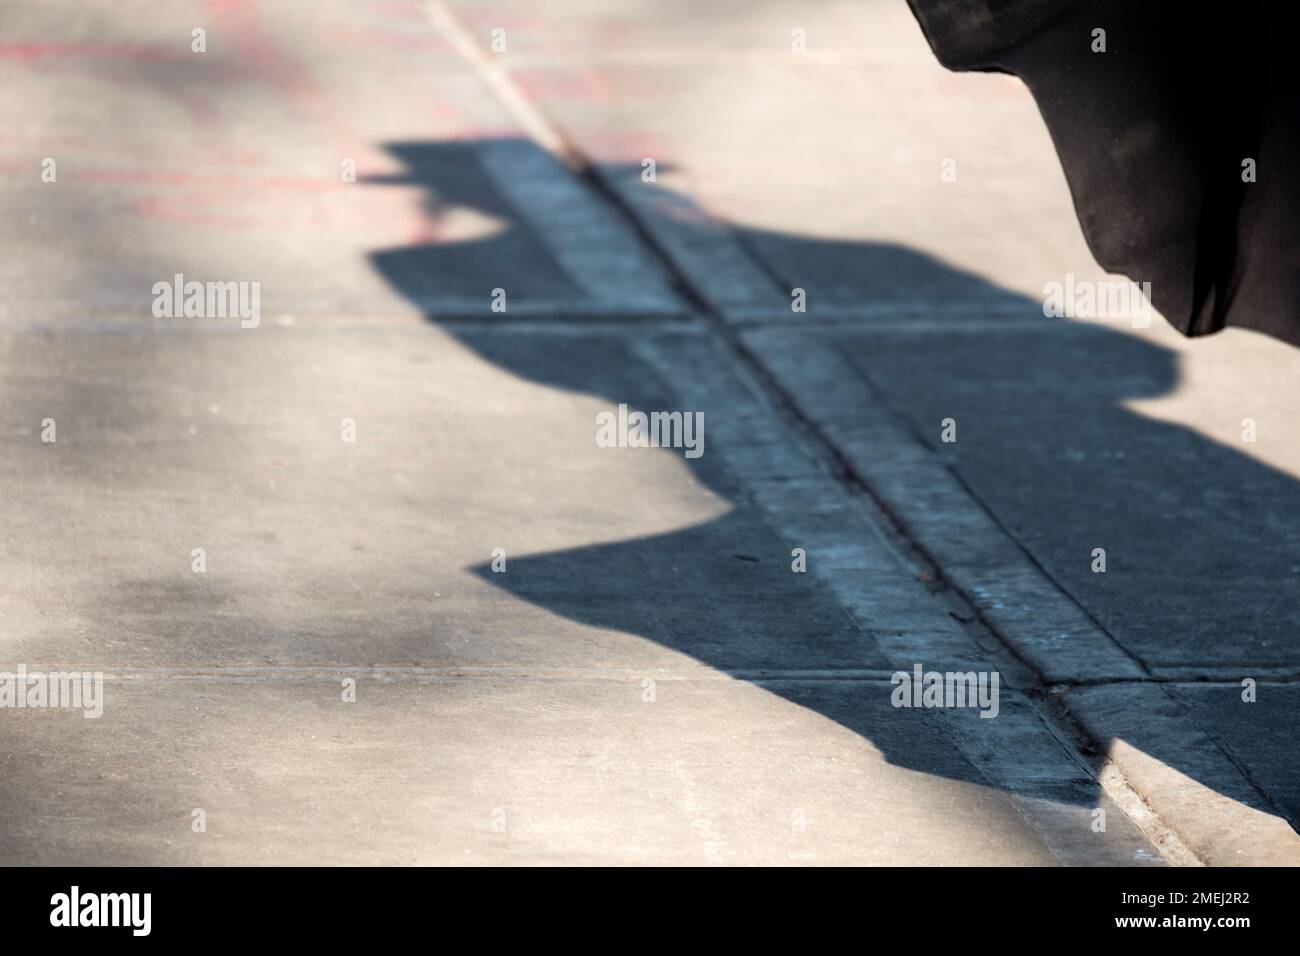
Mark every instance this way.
x=560 y=83
x=239 y=18
x=222 y=182
x=42 y=51
x=379 y=222
x=397 y=8
x=425 y=42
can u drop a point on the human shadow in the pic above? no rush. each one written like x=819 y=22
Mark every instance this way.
x=1202 y=540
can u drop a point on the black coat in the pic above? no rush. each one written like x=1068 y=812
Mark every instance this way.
x=1157 y=135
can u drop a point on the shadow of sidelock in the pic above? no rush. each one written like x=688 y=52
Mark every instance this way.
x=1203 y=543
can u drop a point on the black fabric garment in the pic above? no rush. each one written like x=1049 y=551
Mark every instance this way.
x=1152 y=134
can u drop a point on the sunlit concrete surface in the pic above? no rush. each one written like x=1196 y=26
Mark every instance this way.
x=431 y=620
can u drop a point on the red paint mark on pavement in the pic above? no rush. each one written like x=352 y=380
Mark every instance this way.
x=239 y=18
x=42 y=51
x=220 y=181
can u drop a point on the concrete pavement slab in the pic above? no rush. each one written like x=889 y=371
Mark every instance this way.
x=319 y=550
x=493 y=771
x=1048 y=460
x=348 y=471
x=1260 y=735
x=1198 y=537
x=326 y=560
x=1216 y=768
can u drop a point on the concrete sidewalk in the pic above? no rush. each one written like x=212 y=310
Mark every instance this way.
x=919 y=215
x=432 y=621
